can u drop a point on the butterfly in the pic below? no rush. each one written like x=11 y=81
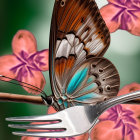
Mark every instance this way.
x=78 y=72
x=78 y=40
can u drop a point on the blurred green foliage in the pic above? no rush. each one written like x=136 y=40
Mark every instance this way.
x=35 y=16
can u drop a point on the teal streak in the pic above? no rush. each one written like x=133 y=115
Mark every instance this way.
x=87 y=97
x=90 y=79
x=66 y=104
x=60 y=101
x=77 y=80
x=89 y=87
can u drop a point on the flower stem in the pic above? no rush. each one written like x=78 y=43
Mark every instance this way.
x=9 y=97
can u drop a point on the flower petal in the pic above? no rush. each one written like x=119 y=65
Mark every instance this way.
x=51 y=110
x=115 y=129
x=104 y=131
x=24 y=41
x=136 y=3
x=36 y=79
x=129 y=88
x=41 y=59
x=130 y=119
x=127 y=112
x=110 y=14
x=117 y=2
x=119 y=108
x=123 y=131
x=29 y=138
x=134 y=24
x=118 y=124
x=7 y=62
x=113 y=117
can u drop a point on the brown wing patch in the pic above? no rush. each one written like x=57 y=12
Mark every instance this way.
x=63 y=66
x=70 y=62
x=60 y=65
x=63 y=11
x=79 y=16
x=77 y=33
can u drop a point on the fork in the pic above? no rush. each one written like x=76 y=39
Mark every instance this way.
x=69 y=120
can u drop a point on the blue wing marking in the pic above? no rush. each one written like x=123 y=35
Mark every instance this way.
x=87 y=97
x=89 y=87
x=77 y=80
x=91 y=79
x=66 y=104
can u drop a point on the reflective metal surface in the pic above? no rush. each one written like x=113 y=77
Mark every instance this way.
x=70 y=122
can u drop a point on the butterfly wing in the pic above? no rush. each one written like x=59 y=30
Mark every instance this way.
x=77 y=33
x=93 y=81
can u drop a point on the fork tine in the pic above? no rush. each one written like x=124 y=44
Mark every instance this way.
x=44 y=134
x=42 y=118
x=53 y=126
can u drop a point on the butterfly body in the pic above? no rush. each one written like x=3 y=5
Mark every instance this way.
x=78 y=40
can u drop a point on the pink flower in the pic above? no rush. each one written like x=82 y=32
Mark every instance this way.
x=129 y=88
x=122 y=14
x=121 y=121
x=26 y=63
x=51 y=110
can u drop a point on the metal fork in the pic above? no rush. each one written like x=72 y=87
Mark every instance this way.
x=70 y=122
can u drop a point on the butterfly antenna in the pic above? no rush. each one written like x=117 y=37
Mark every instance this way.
x=48 y=100
x=29 y=86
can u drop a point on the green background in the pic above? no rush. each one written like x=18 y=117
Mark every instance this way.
x=35 y=16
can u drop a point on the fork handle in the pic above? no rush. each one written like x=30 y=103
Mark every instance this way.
x=118 y=100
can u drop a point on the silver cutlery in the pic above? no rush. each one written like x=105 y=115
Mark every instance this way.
x=69 y=122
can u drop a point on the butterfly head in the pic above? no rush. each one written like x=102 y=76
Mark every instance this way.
x=48 y=100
